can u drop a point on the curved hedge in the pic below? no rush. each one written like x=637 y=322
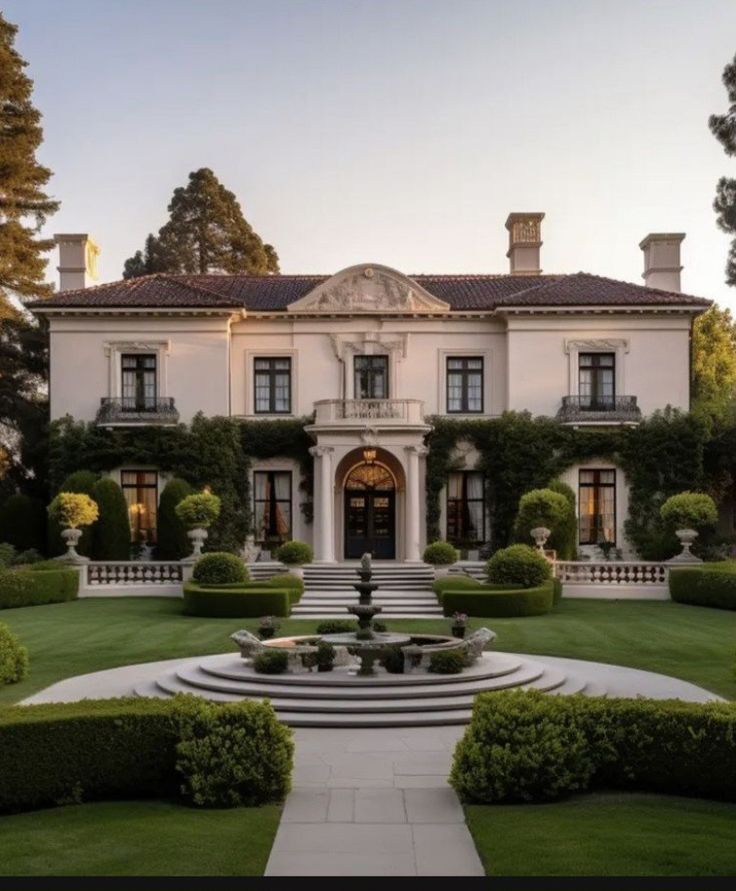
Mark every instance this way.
x=706 y=585
x=236 y=601
x=499 y=602
x=38 y=585
x=131 y=748
x=285 y=580
x=529 y=746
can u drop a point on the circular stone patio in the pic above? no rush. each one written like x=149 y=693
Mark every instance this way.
x=339 y=699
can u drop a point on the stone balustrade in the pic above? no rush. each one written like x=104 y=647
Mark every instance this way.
x=110 y=574
x=341 y=411
x=611 y=572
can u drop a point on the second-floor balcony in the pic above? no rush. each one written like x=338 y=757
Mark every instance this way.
x=385 y=411
x=599 y=409
x=123 y=411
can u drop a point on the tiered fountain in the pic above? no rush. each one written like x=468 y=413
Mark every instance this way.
x=366 y=643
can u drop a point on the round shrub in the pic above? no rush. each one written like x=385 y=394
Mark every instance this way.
x=220 y=568
x=198 y=511
x=25 y=558
x=220 y=756
x=13 y=657
x=173 y=542
x=23 y=522
x=271 y=661
x=446 y=662
x=111 y=534
x=440 y=553
x=294 y=553
x=521 y=746
x=518 y=565
x=73 y=509
x=546 y=507
x=689 y=510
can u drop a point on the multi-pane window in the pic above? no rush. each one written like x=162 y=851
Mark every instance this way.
x=371 y=377
x=140 y=488
x=272 y=505
x=597 y=504
x=465 y=384
x=466 y=508
x=139 y=381
x=597 y=380
x=272 y=386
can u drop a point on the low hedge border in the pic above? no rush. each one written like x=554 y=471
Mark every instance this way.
x=499 y=602
x=711 y=585
x=142 y=748
x=236 y=602
x=529 y=746
x=38 y=585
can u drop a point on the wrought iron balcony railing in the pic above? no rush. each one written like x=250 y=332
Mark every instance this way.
x=345 y=411
x=611 y=409
x=124 y=410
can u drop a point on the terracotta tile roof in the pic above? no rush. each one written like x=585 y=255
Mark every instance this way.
x=274 y=293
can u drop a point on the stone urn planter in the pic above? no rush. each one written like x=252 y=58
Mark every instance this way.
x=197 y=537
x=71 y=540
x=686 y=537
x=540 y=534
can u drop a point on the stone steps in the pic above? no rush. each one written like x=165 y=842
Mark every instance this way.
x=342 y=699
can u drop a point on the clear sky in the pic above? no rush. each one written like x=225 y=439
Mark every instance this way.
x=393 y=131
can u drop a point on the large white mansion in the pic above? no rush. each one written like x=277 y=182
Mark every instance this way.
x=373 y=354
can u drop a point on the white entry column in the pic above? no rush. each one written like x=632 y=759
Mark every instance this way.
x=413 y=503
x=323 y=504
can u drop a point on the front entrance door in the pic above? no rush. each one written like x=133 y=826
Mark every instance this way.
x=370 y=513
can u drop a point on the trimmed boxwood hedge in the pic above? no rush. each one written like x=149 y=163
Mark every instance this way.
x=285 y=581
x=529 y=746
x=236 y=601
x=128 y=748
x=710 y=584
x=38 y=585
x=498 y=602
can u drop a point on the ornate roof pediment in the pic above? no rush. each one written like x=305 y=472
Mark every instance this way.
x=369 y=288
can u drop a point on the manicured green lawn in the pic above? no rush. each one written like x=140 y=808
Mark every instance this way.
x=137 y=838
x=689 y=642
x=607 y=835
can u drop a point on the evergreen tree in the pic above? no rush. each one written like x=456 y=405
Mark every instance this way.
x=714 y=364
x=24 y=206
x=206 y=232
x=723 y=128
x=111 y=539
x=173 y=542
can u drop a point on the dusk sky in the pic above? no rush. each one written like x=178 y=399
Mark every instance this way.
x=393 y=131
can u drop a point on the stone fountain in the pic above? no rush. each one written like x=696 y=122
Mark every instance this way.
x=366 y=643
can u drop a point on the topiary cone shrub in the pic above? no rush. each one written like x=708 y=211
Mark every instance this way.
x=519 y=565
x=173 y=542
x=111 y=532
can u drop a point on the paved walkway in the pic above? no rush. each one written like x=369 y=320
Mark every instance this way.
x=370 y=802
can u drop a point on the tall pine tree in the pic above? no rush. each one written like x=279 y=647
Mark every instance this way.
x=206 y=232
x=24 y=206
x=723 y=127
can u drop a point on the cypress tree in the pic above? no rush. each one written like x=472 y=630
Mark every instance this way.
x=723 y=127
x=206 y=232
x=24 y=206
x=111 y=532
x=173 y=543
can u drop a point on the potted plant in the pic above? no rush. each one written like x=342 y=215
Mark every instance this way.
x=441 y=555
x=687 y=514
x=295 y=554
x=267 y=627
x=198 y=512
x=325 y=656
x=459 y=624
x=72 y=511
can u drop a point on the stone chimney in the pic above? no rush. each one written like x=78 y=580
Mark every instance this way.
x=525 y=240
x=662 y=265
x=77 y=261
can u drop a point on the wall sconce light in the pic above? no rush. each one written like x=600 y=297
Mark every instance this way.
x=369 y=455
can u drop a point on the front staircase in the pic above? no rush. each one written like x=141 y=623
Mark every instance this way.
x=404 y=589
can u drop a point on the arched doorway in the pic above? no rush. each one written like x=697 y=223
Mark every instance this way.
x=370 y=511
